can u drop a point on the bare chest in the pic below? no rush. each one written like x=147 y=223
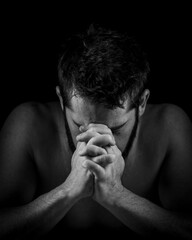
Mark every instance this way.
x=140 y=176
x=142 y=169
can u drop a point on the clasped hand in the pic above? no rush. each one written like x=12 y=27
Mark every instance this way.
x=103 y=159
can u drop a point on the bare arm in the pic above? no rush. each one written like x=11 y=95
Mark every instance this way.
x=147 y=218
x=21 y=214
x=174 y=218
x=37 y=217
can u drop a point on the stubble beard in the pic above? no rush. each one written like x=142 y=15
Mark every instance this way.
x=132 y=135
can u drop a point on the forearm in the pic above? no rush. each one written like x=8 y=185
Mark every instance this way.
x=145 y=217
x=38 y=217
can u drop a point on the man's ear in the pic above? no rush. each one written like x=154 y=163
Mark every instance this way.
x=58 y=92
x=143 y=101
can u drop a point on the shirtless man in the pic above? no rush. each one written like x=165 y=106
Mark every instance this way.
x=101 y=158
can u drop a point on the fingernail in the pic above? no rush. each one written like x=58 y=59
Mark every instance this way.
x=81 y=128
x=84 y=164
x=78 y=137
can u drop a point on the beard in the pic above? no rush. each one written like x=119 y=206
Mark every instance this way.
x=129 y=142
x=132 y=135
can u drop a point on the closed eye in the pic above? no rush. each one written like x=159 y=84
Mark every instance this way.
x=78 y=125
x=113 y=129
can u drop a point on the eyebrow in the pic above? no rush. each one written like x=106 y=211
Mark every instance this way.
x=112 y=128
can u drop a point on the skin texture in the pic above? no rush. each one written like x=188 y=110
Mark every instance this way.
x=44 y=183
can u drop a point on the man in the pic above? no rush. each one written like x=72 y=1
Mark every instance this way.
x=102 y=159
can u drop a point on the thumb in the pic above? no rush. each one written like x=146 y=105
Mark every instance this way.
x=95 y=168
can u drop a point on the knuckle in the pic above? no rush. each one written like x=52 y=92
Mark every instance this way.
x=96 y=159
x=98 y=150
x=91 y=141
x=109 y=138
x=105 y=127
x=82 y=135
x=89 y=148
x=119 y=153
x=103 y=158
x=92 y=129
x=103 y=151
x=109 y=130
x=112 y=157
x=94 y=149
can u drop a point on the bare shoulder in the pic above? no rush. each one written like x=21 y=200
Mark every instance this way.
x=24 y=112
x=175 y=122
x=19 y=128
x=19 y=119
x=29 y=114
x=27 y=124
x=168 y=116
x=174 y=113
x=168 y=125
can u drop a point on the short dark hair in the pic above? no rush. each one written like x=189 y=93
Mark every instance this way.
x=103 y=66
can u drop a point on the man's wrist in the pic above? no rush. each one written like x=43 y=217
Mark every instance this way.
x=70 y=191
x=112 y=195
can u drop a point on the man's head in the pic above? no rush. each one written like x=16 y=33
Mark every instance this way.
x=102 y=77
x=102 y=66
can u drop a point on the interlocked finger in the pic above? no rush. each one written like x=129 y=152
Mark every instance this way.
x=102 y=140
x=93 y=151
x=86 y=136
x=99 y=128
x=104 y=160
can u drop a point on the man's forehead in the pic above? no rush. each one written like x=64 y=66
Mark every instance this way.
x=84 y=112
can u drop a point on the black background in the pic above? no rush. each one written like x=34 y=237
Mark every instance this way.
x=31 y=38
